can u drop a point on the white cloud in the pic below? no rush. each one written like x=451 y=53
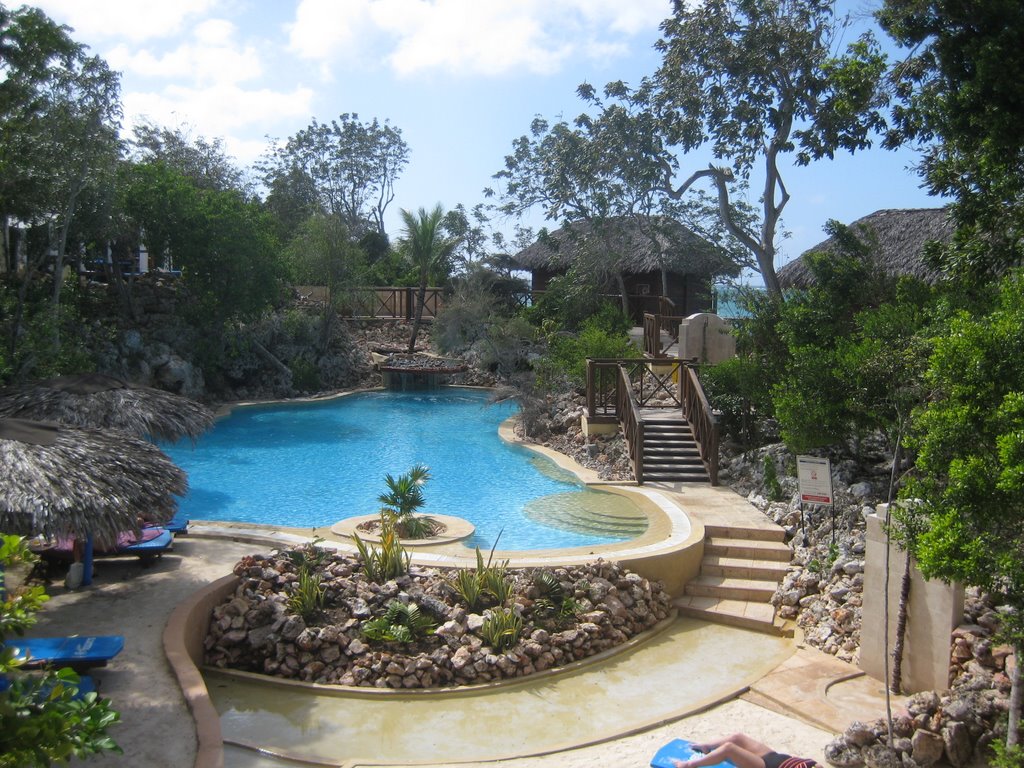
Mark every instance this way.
x=136 y=20
x=324 y=29
x=468 y=36
x=222 y=111
x=213 y=55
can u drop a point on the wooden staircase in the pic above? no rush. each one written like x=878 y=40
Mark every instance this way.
x=670 y=454
x=740 y=571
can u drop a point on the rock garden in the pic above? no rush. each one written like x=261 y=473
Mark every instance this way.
x=310 y=614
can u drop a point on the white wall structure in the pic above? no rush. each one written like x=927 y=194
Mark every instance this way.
x=935 y=610
x=706 y=337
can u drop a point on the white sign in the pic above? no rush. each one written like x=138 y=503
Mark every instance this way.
x=815 y=478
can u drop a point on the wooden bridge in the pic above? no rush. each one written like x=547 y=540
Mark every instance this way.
x=670 y=430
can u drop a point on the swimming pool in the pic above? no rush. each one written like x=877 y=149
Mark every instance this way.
x=309 y=465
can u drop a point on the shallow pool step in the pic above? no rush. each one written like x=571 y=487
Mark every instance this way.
x=615 y=526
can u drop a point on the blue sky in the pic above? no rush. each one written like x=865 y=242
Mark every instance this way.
x=461 y=78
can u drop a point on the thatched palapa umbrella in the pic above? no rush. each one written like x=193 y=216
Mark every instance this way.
x=105 y=402
x=60 y=481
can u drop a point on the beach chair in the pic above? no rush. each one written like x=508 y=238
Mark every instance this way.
x=78 y=652
x=149 y=545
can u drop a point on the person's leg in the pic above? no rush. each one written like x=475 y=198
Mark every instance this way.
x=726 y=750
x=740 y=740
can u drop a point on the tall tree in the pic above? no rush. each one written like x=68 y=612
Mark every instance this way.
x=754 y=80
x=33 y=50
x=206 y=162
x=970 y=458
x=426 y=246
x=323 y=254
x=962 y=95
x=604 y=171
x=346 y=168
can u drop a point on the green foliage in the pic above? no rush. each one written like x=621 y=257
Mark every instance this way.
x=403 y=497
x=310 y=556
x=401 y=623
x=501 y=628
x=388 y=561
x=714 y=91
x=427 y=247
x=737 y=389
x=305 y=375
x=771 y=480
x=1007 y=757
x=40 y=719
x=960 y=90
x=552 y=606
x=969 y=439
x=307 y=597
x=600 y=336
x=488 y=584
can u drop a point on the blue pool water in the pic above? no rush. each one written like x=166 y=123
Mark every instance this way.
x=311 y=464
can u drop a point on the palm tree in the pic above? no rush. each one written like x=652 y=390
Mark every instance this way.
x=427 y=247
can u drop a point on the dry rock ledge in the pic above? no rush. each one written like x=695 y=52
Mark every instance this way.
x=256 y=630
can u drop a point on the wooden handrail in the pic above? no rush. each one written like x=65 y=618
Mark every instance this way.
x=654 y=325
x=702 y=421
x=632 y=424
x=617 y=388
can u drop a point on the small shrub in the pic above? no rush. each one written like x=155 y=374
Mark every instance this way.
x=771 y=480
x=388 y=561
x=501 y=629
x=468 y=588
x=305 y=375
x=308 y=598
x=401 y=623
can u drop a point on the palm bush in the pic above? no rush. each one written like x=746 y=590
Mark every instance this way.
x=401 y=623
x=403 y=497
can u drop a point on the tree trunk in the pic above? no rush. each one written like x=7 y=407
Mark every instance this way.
x=421 y=296
x=621 y=282
x=269 y=357
x=896 y=684
x=1016 y=698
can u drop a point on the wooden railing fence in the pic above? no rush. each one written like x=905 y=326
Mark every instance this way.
x=617 y=390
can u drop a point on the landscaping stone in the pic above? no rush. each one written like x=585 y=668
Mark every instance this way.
x=329 y=647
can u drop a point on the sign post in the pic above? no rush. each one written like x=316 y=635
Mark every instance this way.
x=815 y=478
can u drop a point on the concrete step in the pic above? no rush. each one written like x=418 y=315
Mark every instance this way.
x=736 y=613
x=744 y=568
x=732 y=588
x=769 y=532
x=753 y=549
x=675 y=477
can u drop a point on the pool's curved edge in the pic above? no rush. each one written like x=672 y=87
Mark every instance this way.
x=183 y=639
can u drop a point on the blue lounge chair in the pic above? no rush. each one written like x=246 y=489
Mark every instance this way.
x=76 y=652
x=85 y=685
x=152 y=543
x=176 y=525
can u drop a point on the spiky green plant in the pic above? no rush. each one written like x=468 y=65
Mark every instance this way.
x=388 y=561
x=467 y=586
x=501 y=628
x=307 y=598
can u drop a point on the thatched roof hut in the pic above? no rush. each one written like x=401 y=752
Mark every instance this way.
x=61 y=480
x=896 y=240
x=105 y=402
x=635 y=245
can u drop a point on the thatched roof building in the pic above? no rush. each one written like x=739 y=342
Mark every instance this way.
x=638 y=249
x=896 y=240
x=635 y=245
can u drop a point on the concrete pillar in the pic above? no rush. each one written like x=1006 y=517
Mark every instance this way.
x=706 y=337
x=935 y=610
